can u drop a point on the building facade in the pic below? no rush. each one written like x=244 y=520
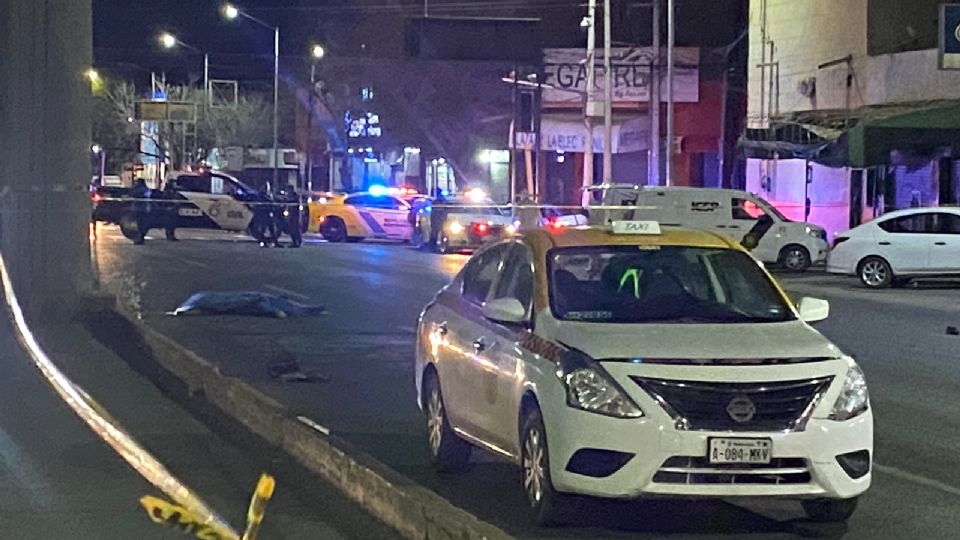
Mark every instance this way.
x=849 y=114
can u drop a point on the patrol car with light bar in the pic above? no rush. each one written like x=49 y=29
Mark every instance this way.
x=203 y=200
x=358 y=216
x=640 y=360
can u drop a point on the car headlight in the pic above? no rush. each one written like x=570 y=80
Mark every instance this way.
x=589 y=388
x=455 y=227
x=854 y=399
x=817 y=232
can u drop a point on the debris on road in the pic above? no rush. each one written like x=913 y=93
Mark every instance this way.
x=244 y=303
x=286 y=368
x=953 y=331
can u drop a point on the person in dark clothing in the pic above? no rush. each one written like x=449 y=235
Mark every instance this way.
x=139 y=192
x=169 y=194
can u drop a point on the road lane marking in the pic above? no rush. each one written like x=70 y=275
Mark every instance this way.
x=287 y=292
x=407 y=329
x=195 y=263
x=308 y=422
x=917 y=479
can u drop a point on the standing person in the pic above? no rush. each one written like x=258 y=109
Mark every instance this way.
x=141 y=209
x=169 y=194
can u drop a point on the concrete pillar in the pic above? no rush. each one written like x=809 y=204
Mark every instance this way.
x=45 y=107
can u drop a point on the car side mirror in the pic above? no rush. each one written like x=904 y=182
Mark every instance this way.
x=505 y=310
x=813 y=309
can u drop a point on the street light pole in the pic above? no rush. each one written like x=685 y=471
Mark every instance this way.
x=313 y=79
x=316 y=53
x=231 y=11
x=206 y=84
x=671 y=39
x=591 y=98
x=607 y=98
x=276 y=106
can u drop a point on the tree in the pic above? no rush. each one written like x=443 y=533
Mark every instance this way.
x=248 y=123
x=114 y=128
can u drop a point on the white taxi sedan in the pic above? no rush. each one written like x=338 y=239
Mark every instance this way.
x=637 y=362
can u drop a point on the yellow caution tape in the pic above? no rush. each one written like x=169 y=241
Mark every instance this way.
x=258 y=505
x=181 y=519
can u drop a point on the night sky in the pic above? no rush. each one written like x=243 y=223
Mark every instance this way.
x=125 y=33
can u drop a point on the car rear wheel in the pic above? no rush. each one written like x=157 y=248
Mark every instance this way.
x=875 y=273
x=546 y=504
x=448 y=452
x=333 y=229
x=795 y=258
x=830 y=510
x=130 y=229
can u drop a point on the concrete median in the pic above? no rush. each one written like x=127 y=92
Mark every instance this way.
x=414 y=511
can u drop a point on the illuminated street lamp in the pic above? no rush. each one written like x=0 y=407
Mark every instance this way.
x=232 y=12
x=317 y=52
x=92 y=75
x=169 y=41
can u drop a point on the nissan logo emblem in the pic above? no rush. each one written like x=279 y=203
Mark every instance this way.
x=741 y=409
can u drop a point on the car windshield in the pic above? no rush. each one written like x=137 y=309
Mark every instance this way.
x=771 y=209
x=661 y=284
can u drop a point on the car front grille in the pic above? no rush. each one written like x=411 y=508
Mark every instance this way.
x=698 y=470
x=763 y=406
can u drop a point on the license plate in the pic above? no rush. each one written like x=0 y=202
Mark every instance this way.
x=738 y=450
x=190 y=212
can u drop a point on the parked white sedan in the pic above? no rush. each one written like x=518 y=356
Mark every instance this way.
x=901 y=245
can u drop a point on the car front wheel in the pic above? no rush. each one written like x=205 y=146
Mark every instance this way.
x=875 y=273
x=830 y=510
x=546 y=504
x=448 y=452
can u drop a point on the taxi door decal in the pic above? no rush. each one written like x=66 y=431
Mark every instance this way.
x=227 y=212
x=371 y=222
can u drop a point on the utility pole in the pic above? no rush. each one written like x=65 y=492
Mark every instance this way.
x=671 y=39
x=607 y=98
x=654 y=163
x=590 y=106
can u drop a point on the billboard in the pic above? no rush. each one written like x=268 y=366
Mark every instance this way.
x=566 y=76
x=950 y=36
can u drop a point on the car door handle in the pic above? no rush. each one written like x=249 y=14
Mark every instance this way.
x=442 y=329
x=939 y=243
x=884 y=243
x=734 y=227
x=479 y=345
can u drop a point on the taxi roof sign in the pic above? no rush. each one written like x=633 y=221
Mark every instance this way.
x=635 y=227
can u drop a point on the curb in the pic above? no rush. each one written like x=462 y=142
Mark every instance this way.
x=413 y=510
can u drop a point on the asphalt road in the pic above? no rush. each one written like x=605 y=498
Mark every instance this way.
x=363 y=348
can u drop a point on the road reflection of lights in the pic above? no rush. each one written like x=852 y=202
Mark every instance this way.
x=451 y=264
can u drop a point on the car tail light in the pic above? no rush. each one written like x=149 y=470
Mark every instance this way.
x=481 y=228
x=96 y=198
x=839 y=240
x=321 y=219
x=554 y=224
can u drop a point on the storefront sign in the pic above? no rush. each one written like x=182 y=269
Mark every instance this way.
x=950 y=36
x=566 y=76
x=566 y=134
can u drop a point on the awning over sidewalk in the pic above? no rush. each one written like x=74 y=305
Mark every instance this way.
x=860 y=138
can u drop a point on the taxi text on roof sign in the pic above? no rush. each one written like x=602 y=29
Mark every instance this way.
x=635 y=227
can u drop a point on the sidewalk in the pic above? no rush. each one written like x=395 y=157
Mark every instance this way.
x=63 y=482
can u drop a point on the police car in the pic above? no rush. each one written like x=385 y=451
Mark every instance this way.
x=639 y=361
x=208 y=200
x=354 y=217
x=460 y=223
